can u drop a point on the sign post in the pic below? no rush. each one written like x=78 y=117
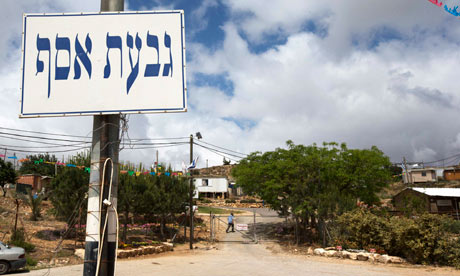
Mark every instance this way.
x=104 y=64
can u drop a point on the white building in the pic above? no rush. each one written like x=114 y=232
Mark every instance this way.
x=211 y=187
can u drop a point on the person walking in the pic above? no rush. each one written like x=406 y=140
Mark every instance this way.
x=230 y=220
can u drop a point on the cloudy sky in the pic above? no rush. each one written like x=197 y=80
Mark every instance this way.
x=363 y=72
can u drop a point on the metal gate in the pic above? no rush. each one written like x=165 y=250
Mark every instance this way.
x=248 y=228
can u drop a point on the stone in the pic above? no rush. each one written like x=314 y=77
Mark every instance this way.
x=353 y=256
x=362 y=256
x=373 y=257
x=383 y=259
x=169 y=246
x=319 y=251
x=331 y=253
x=396 y=260
x=80 y=253
x=345 y=254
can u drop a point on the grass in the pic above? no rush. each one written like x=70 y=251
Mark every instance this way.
x=207 y=209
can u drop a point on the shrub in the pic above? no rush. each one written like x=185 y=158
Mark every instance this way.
x=206 y=200
x=427 y=239
x=230 y=201
x=18 y=239
x=30 y=261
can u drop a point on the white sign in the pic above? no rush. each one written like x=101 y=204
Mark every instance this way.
x=103 y=63
x=241 y=227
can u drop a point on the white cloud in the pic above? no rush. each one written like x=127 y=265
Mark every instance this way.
x=401 y=95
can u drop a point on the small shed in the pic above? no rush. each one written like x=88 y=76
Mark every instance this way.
x=432 y=200
x=452 y=173
x=34 y=182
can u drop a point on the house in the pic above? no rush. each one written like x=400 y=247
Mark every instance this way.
x=424 y=175
x=452 y=173
x=34 y=182
x=215 y=182
x=211 y=187
x=432 y=200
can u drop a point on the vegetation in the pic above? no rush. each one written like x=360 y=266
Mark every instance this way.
x=426 y=239
x=18 y=238
x=34 y=202
x=37 y=164
x=67 y=189
x=7 y=174
x=314 y=184
x=154 y=197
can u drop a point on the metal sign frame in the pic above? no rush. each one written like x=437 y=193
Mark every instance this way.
x=179 y=101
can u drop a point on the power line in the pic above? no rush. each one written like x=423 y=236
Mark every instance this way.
x=219 y=152
x=38 y=142
x=43 y=138
x=87 y=137
x=45 y=133
x=44 y=151
x=229 y=150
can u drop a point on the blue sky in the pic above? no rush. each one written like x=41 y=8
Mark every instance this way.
x=363 y=72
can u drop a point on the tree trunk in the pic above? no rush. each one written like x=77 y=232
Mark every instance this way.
x=162 y=226
x=125 y=226
x=297 y=234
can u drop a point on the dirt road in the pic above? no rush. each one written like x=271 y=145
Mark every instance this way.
x=236 y=256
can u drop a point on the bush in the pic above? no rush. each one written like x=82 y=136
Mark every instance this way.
x=206 y=201
x=18 y=239
x=30 y=261
x=230 y=201
x=427 y=239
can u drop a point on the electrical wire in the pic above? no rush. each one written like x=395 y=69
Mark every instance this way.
x=222 y=152
x=45 y=133
x=107 y=202
x=216 y=152
x=43 y=151
x=229 y=150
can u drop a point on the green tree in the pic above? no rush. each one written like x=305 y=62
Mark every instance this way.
x=37 y=165
x=314 y=183
x=7 y=174
x=171 y=193
x=68 y=189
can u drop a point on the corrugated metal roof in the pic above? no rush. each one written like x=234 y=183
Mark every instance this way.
x=447 y=192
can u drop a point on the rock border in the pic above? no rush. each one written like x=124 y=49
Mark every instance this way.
x=140 y=251
x=359 y=256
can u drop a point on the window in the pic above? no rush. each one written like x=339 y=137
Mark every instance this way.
x=205 y=182
x=423 y=173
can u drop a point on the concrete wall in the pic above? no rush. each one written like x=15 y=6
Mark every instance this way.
x=418 y=177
